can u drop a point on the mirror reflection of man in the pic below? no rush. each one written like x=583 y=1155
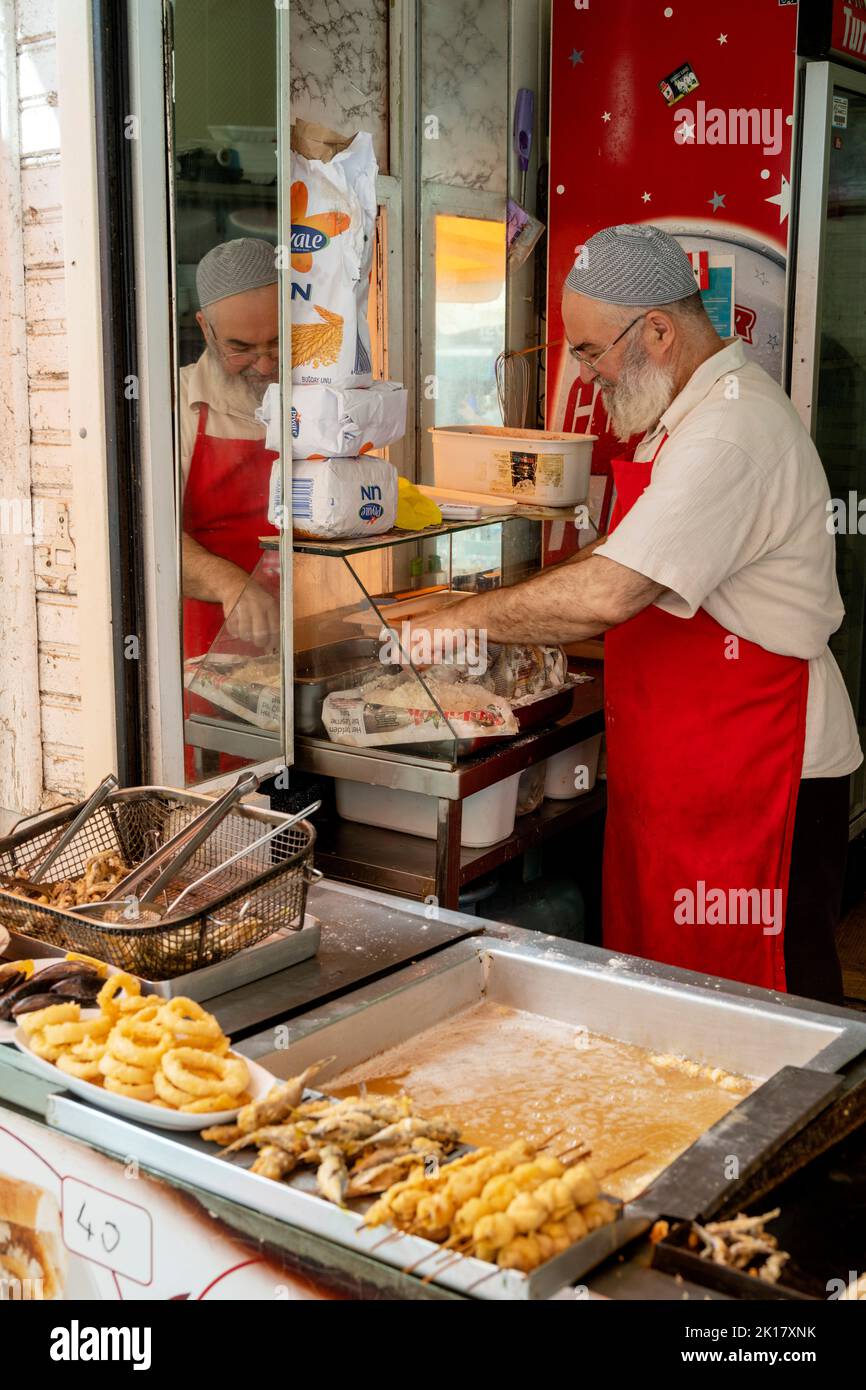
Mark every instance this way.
x=226 y=467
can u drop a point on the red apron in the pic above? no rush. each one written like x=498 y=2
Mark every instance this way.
x=225 y=508
x=704 y=757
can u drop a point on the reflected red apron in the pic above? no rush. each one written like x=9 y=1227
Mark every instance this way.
x=705 y=735
x=225 y=509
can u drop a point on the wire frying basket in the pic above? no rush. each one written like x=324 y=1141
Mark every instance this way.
x=262 y=892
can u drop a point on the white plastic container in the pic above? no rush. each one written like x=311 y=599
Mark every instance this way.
x=488 y=815
x=562 y=769
x=542 y=467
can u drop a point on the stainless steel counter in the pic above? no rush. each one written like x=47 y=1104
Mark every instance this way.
x=801 y=1048
x=364 y=935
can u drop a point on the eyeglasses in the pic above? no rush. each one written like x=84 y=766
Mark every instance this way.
x=248 y=355
x=590 y=362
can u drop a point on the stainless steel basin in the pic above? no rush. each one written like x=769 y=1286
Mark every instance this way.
x=751 y=1036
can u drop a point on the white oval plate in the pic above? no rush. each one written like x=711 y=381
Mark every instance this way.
x=142 y=1111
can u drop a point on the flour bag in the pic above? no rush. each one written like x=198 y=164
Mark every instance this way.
x=334 y=208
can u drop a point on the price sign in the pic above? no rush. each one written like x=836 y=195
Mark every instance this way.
x=108 y=1230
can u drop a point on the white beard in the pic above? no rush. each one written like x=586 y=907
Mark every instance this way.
x=253 y=384
x=642 y=394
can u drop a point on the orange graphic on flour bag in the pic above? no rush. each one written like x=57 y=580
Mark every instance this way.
x=333 y=209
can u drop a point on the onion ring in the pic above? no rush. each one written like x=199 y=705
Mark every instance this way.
x=211 y=1105
x=110 y=1065
x=55 y=1013
x=188 y=1018
x=142 y=1005
x=40 y=1048
x=138 y=1042
x=169 y=1094
x=74 y=1066
x=107 y=999
x=123 y=1088
x=89 y=1049
x=64 y=1033
x=215 y=1047
x=230 y=1074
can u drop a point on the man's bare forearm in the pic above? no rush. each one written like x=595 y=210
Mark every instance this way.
x=565 y=604
x=208 y=576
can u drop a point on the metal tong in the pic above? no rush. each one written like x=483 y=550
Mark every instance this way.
x=68 y=832
x=242 y=853
x=170 y=858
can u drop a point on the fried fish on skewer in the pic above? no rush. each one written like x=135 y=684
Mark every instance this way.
x=381 y=1176
x=358 y=1122
x=417 y=1149
x=221 y=1134
x=332 y=1176
x=436 y=1127
x=280 y=1101
x=287 y=1137
x=273 y=1163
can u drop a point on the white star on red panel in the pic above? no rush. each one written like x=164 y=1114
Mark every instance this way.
x=782 y=199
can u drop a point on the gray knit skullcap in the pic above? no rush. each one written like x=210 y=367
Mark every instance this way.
x=234 y=267
x=634 y=266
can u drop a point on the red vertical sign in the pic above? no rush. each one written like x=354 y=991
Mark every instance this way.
x=680 y=115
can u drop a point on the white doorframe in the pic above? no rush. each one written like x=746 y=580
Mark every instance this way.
x=153 y=279
x=86 y=385
x=20 y=731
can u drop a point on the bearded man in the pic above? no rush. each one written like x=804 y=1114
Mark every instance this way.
x=226 y=467
x=730 y=734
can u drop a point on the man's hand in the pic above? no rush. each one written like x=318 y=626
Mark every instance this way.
x=253 y=615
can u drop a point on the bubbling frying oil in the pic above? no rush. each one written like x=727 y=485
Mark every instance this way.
x=502 y=1074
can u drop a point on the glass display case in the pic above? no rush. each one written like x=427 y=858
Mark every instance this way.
x=426 y=747
x=358 y=680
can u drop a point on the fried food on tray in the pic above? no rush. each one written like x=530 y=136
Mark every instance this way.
x=725 y=1080
x=513 y=1207
x=171 y=1053
x=102 y=873
x=742 y=1243
x=358 y=1145
x=280 y=1101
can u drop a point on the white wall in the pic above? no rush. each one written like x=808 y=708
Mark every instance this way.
x=36 y=377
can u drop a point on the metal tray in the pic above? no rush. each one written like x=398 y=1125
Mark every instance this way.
x=821 y=1224
x=544 y=709
x=278 y=952
x=758 y=1037
x=323 y=669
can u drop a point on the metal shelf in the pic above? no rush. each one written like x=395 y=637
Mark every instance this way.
x=455 y=780
x=233 y=737
x=367 y=856
x=361 y=544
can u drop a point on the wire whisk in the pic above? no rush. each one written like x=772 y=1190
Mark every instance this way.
x=513 y=384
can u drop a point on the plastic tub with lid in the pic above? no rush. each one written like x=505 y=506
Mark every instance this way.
x=575 y=765
x=544 y=467
x=488 y=815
